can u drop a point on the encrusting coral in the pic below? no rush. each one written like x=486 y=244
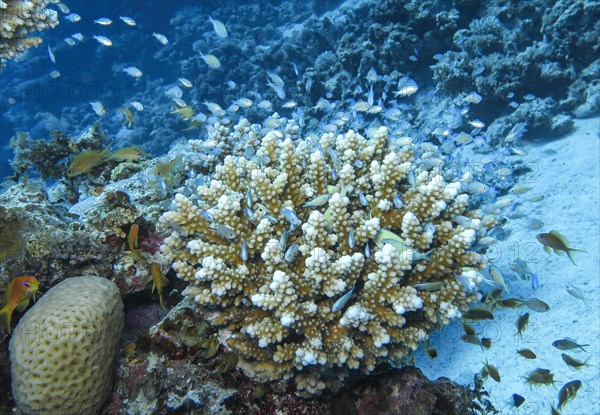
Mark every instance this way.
x=18 y=19
x=317 y=257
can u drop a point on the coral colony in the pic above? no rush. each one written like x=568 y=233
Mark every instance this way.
x=315 y=256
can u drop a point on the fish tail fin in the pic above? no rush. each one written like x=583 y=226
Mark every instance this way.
x=161 y=301
x=570 y=250
x=535 y=282
x=5 y=316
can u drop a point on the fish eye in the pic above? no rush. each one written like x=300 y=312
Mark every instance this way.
x=26 y=284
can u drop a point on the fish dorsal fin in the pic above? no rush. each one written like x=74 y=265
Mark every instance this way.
x=560 y=237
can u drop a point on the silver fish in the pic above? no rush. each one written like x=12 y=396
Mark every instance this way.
x=127 y=20
x=51 y=55
x=575 y=292
x=522 y=269
x=476 y=188
x=536 y=304
x=497 y=277
x=103 y=40
x=351 y=241
x=534 y=224
x=104 y=21
x=160 y=37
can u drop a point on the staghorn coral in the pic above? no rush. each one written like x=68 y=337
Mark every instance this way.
x=284 y=253
x=18 y=19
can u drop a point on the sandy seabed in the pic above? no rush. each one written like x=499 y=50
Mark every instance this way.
x=566 y=172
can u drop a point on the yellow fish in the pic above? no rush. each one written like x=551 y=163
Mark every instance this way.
x=86 y=161
x=161 y=168
x=127 y=154
x=158 y=282
x=127 y=116
x=132 y=238
x=211 y=60
x=555 y=241
x=186 y=112
x=17 y=296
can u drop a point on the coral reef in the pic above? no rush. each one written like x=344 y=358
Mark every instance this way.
x=168 y=369
x=18 y=19
x=315 y=257
x=533 y=62
x=40 y=238
x=63 y=350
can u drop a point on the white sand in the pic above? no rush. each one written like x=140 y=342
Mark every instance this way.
x=569 y=179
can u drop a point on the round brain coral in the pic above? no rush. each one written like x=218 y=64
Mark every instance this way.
x=63 y=350
x=319 y=257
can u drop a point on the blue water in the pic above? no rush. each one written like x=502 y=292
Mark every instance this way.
x=32 y=101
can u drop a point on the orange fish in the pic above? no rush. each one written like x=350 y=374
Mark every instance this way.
x=557 y=242
x=17 y=295
x=158 y=282
x=132 y=238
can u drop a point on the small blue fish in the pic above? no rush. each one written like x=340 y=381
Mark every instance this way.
x=367 y=251
x=225 y=232
x=429 y=286
x=318 y=201
x=207 y=215
x=291 y=252
x=363 y=199
x=499 y=233
x=522 y=269
x=534 y=224
x=398 y=202
x=341 y=302
x=249 y=198
x=249 y=213
x=411 y=179
x=466 y=283
x=244 y=253
x=351 y=241
x=249 y=151
x=430 y=228
x=283 y=239
x=271 y=218
x=291 y=217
